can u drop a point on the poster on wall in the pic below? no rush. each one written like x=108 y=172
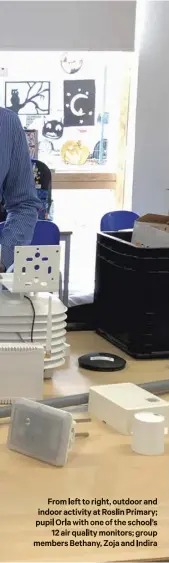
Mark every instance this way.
x=79 y=103
x=28 y=98
x=52 y=129
x=74 y=153
x=70 y=64
x=51 y=133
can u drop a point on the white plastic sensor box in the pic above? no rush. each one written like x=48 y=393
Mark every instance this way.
x=117 y=404
x=40 y=431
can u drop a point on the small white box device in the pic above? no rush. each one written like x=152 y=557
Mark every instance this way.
x=21 y=371
x=116 y=405
x=41 y=432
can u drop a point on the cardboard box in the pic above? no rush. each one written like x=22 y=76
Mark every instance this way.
x=151 y=231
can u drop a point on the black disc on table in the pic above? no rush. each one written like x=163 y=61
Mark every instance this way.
x=101 y=362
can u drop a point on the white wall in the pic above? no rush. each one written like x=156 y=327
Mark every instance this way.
x=73 y=25
x=151 y=160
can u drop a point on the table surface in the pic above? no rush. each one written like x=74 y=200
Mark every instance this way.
x=100 y=466
x=63 y=233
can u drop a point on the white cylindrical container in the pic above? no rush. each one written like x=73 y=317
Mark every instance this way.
x=148 y=433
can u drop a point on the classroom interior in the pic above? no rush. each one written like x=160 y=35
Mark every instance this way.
x=84 y=376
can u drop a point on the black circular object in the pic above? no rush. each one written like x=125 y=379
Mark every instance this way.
x=101 y=362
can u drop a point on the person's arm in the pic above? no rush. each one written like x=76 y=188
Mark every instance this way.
x=20 y=198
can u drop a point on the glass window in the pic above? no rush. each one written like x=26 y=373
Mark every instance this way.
x=78 y=105
x=72 y=100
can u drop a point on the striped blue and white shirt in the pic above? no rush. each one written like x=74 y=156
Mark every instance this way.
x=17 y=187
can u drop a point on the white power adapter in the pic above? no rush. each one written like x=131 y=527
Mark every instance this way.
x=41 y=432
x=118 y=403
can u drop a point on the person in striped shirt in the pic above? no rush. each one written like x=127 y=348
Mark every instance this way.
x=17 y=188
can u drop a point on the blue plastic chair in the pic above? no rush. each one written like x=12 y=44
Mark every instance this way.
x=46 y=232
x=118 y=221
